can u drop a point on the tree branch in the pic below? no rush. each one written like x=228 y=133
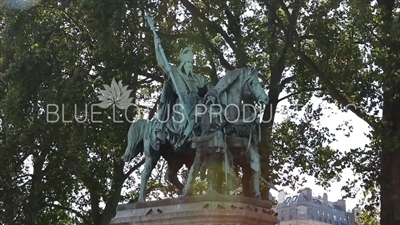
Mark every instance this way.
x=153 y=110
x=76 y=212
x=153 y=77
x=313 y=37
x=219 y=54
x=198 y=14
x=298 y=92
x=285 y=81
x=94 y=203
x=234 y=27
x=314 y=68
x=342 y=99
x=213 y=75
x=201 y=40
x=142 y=106
x=278 y=22
x=131 y=170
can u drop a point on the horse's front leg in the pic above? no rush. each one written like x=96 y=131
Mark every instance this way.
x=212 y=171
x=255 y=165
x=211 y=176
x=150 y=163
x=247 y=176
x=194 y=170
x=172 y=172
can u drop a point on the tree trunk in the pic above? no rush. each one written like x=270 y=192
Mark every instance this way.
x=390 y=164
x=390 y=187
x=390 y=158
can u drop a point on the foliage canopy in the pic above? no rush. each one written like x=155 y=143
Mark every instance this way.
x=59 y=52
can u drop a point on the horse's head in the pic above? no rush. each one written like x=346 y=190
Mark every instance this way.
x=252 y=86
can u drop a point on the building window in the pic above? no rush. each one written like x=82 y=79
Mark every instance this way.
x=318 y=215
x=301 y=211
x=291 y=214
x=283 y=215
x=287 y=200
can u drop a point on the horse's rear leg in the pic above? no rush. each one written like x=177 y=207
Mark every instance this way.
x=194 y=170
x=211 y=177
x=256 y=184
x=173 y=168
x=247 y=175
x=255 y=165
x=150 y=163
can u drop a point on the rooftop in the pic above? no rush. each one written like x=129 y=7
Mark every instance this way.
x=302 y=199
x=306 y=206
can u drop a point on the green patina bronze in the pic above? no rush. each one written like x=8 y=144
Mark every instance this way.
x=185 y=132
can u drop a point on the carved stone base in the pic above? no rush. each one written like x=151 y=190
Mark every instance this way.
x=197 y=210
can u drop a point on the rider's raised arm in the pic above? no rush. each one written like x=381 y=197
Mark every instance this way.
x=161 y=59
x=160 y=56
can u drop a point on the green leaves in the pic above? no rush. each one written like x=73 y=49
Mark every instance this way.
x=344 y=52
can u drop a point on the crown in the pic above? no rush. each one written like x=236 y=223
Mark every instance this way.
x=186 y=54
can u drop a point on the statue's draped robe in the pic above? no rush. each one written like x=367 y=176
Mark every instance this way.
x=223 y=89
x=211 y=123
x=188 y=86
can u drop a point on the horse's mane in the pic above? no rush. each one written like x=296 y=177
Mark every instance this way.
x=228 y=79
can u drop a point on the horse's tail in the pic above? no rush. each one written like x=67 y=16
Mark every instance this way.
x=135 y=136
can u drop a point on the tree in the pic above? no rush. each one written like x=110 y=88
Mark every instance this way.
x=52 y=56
x=236 y=35
x=61 y=52
x=352 y=50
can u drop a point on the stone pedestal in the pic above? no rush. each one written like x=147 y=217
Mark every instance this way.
x=197 y=210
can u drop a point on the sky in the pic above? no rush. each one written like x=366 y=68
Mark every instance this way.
x=331 y=119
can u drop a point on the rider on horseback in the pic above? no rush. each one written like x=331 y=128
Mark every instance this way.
x=181 y=91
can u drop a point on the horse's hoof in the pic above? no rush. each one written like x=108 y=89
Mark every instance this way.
x=257 y=196
x=212 y=192
x=142 y=199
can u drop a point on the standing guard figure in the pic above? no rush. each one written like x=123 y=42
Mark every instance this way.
x=212 y=150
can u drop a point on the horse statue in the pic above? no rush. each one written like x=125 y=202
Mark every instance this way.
x=236 y=86
x=240 y=134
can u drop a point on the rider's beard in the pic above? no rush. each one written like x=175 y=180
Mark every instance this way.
x=189 y=73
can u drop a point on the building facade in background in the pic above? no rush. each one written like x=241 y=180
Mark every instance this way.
x=305 y=209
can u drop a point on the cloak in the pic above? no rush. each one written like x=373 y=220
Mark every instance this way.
x=169 y=97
